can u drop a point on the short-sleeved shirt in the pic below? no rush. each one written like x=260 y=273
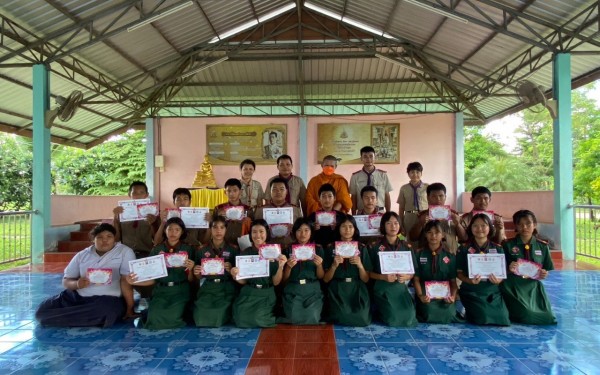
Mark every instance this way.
x=226 y=251
x=326 y=234
x=444 y=261
x=264 y=281
x=116 y=259
x=137 y=235
x=384 y=245
x=539 y=252
x=379 y=179
x=462 y=263
x=296 y=189
x=305 y=269
x=252 y=194
x=175 y=274
x=346 y=269
x=406 y=197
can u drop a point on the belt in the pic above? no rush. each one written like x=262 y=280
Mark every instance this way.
x=303 y=281
x=216 y=281
x=412 y=212
x=345 y=279
x=172 y=283
x=260 y=286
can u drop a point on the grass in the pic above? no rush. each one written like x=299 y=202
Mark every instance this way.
x=15 y=241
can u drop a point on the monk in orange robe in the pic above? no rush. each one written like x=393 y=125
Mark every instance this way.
x=343 y=202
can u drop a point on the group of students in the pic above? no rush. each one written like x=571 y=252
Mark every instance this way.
x=327 y=288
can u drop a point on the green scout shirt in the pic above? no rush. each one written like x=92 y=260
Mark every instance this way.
x=384 y=245
x=347 y=270
x=304 y=269
x=226 y=251
x=273 y=267
x=514 y=250
x=462 y=263
x=445 y=264
x=175 y=274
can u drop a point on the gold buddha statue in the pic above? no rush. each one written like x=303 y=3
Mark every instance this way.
x=205 y=177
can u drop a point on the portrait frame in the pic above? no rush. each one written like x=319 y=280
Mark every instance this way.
x=385 y=139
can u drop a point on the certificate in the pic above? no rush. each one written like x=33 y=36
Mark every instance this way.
x=303 y=252
x=100 y=276
x=489 y=214
x=528 y=269
x=486 y=264
x=346 y=249
x=130 y=211
x=364 y=226
x=235 y=212
x=194 y=217
x=279 y=215
x=437 y=289
x=173 y=212
x=396 y=262
x=174 y=260
x=279 y=230
x=146 y=209
x=375 y=221
x=251 y=266
x=212 y=266
x=149 y=268
x=325 y=218
x=244 y=241
x=440 y=213
x=269 y=251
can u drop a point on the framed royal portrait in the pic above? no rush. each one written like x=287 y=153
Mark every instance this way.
x=385 y=139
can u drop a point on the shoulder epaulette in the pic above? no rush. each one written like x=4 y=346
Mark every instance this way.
x=356 y=172
x=545 y=242
x=381 y=170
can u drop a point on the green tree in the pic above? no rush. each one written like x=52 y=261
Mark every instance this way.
x=16 y=160
x=479 y=150
x=507 y=173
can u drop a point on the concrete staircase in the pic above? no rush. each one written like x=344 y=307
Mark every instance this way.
x=77 y=241
x=509 y=229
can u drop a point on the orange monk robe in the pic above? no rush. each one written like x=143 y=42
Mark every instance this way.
x=342 y=195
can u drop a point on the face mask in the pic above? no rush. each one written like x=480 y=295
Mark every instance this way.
x=328 y=170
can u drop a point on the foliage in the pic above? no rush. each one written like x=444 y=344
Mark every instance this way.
x=16 y=160
x=479 y=150
x=507 y=173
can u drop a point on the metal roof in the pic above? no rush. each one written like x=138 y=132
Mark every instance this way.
x=135 y=59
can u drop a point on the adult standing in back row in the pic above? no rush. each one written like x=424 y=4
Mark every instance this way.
x=296 y=190
x=369 y=175
x=343 y=202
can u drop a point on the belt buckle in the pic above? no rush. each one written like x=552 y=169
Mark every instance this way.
x=302 y=282
x=171 y=283
x=217 y=280
x=258 y=286
x=348 y=279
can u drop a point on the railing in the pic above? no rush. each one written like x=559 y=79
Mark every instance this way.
x=15 y=236
x=587 y=230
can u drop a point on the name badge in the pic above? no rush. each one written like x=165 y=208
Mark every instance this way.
x=423 y=260
x=226 y=254
x=493 y=251
x=538 y=252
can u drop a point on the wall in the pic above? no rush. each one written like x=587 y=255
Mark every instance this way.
x=68 y=209
x=507 y=203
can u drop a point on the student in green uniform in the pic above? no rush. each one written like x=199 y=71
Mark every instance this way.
x=302 y=296
x=235 y=221
x=172 y=292
x=182 y=197
x=347 y=278
x=526 y=298
x=394 y=304
x=481 y=297
x=212 y=307
x=254 y=305
x=435 y=263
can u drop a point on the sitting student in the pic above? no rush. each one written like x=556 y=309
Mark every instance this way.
x=481 y=198
x=324 y=233
x=394 y=304
x=347 y=278
x=368 y=196
x=195 y=236
x=87 y=301
x=278 y=191
x=217 y=292
x=252 y=192
x=172 y=292
x=236 y=219
x=481 y=297
x=256 y=301
x=435 y=263
x=302 y=296
x=525 y=297
x=452 y=230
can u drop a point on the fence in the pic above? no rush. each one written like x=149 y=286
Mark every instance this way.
x=587 y=230
x=15 y=236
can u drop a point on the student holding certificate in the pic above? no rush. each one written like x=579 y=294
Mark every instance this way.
x=214 y=300
x=96 y=293
x=435 y=278
x=481 y=198
x=368 y=195
x=238 y=215
x=172 y=292
x=480 y=296
x=256 y=301
x=394 y=304
x=348 y=265
x=302 y=296
x=529 y=261
x=182 y=197
x=325 y=218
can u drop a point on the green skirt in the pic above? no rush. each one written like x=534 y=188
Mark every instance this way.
x=302 y=303
x=212 y=307
x=436 y=311
x=349 y=303
x=395 y=305
x=484 y=304
x=526 y=301
x=254 y=307
x=165 y=310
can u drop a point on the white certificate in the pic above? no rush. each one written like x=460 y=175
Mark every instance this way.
x=325 y=218
x=174 y=260
x=173 y=212
x=528 y=268
x=100 y=276
x=251 y=266
x=279 y=215
x=396 y=262
x=212 y=266
x=346 y=249
x=148 y=209
x=235 y=212
x=130 y=211
x=270 y=251
x=437 y=289
x=364 y=226
x=440 y=212
x=244 y=241
x=149 y=268
x=279 y=230
x=303 y=252
x=194 y=217
x=486 y=264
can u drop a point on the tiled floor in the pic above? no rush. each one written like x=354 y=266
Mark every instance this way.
x=572 y=347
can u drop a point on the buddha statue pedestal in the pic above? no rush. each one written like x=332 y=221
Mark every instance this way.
x=205 y=177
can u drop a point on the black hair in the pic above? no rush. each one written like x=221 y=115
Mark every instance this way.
x=385 y=218
x=273 y=133
x=426 y=228
x=414 y=166
x=368 y=188
x=326 y=187
x=247 y=161
x=182 y=191
x=285 y=157
x=487 y=220
x=338 y=225
x=176 y=221
x=219 y=219
x=300 y=222
x=480 y=190
x=137 y=183
x=233 y=182
x=261 y=222
x=521 y=214
x=366 y=150
x=278 y=180
x=104 y=227
x=436 y=186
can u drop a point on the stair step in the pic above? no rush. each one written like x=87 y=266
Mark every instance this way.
x=87 y=226
x=73 y=246
x=80 y=236
x=56 y=257
x=556 y=254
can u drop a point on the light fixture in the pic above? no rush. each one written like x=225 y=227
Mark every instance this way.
x=160 y=15
x=205 y=66
x=321 y=10
x=399 y=63
x=439 y=11
x=276 y=12
x=234 y=31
